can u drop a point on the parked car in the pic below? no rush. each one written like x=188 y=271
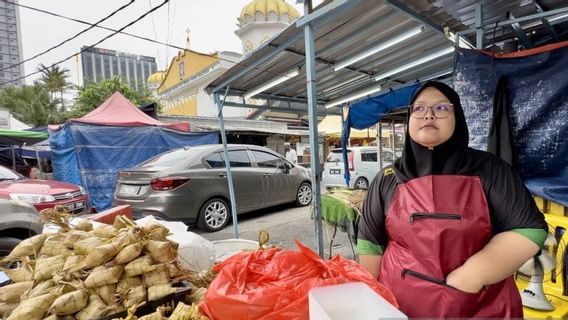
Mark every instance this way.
x=42 y=194
x=363 y=166
x=190 y=184
x=18 y=221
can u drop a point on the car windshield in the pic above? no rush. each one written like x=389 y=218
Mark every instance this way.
x=7 y=174
x=168 y=159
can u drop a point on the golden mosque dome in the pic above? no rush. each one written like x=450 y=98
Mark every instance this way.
x=281 y=9
x=156 y=78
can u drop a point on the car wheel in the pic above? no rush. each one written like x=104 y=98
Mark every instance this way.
x=361 y=183
x=7 y=244
x=304 y=195
x=214 y=215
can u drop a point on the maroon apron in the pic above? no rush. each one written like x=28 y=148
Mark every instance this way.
x=434 y=224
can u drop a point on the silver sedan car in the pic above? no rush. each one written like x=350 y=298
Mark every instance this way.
x=190 y=184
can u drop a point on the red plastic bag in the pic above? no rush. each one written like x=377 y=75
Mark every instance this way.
x=274 y=284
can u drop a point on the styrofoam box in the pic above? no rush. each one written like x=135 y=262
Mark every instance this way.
x=352 y=301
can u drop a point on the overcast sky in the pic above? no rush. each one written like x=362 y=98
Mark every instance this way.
x=211 y=22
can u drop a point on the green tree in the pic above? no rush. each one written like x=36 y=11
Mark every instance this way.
x=54 y=80
x=29 y=104
x=92 y=94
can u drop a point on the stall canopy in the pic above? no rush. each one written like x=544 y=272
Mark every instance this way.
x=369 y=112
x=119 y=111
x=19 y=138
x=91 y=151
x=16 y=124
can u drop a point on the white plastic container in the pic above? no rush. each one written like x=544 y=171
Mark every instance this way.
x=352 y=301
x=195 y=252
x=226 y=248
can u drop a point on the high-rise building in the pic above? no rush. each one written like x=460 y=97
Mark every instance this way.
x=10 y=45
x=98 y=64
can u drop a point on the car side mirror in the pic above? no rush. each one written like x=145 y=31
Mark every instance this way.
x=286 y=168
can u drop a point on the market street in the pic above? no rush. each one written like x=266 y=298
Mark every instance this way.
x=285 y=224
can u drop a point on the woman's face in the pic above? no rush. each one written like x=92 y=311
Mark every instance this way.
x=428 y=130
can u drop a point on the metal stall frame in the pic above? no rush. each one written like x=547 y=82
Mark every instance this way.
x=342 y=49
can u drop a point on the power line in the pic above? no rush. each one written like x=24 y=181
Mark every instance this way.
x=130 y=35
x=167 y=35
x=69 y=39
x=98 y=42
x=110 y=29
x=122 y=32
x=154 y=26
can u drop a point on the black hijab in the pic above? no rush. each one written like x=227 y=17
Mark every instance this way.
x=448 y=158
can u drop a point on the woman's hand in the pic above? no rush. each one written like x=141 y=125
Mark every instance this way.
x=498 y=260
x=462 y=281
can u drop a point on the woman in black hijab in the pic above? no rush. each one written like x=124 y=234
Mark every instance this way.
x=446 y=226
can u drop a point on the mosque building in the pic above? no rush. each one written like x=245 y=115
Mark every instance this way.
x=180 y=89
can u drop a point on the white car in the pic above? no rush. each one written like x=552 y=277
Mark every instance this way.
x=363 y=166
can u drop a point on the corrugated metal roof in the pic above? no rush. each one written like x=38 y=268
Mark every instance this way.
x=460 y=15
x=207 y=124
x=362 y=25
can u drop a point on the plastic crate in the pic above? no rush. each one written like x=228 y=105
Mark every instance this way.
x=550 y=207
x=108 y=216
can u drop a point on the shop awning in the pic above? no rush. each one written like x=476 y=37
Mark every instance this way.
x=331 y=126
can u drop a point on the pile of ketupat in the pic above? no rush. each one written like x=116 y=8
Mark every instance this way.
x=81 y=273
x=181 y=312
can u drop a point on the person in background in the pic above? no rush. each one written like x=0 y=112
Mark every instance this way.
x=35 y=173
x=46 y=166
x=446 y=226
x=291 y=154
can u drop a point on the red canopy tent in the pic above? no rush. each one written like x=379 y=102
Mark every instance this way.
x=119 y=111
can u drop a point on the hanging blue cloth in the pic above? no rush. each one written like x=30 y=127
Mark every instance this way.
x=369 y=112
x=537 y=100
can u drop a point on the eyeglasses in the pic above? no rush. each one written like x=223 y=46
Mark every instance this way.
x=440 y=110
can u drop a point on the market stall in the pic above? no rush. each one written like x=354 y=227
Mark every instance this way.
x=338 y=45
x=150 y=269
x=326 y=32
x=10 y=139
x=90 y=151
x=268 y=282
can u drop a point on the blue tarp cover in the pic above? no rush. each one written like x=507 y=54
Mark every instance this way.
x=30 y=152
x=538 y=97
x=92 y=155
x=369 y=112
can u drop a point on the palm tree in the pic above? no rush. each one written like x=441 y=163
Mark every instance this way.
x=29 y=104
x=54 y=80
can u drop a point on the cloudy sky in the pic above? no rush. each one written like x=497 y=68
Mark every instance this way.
x=211 y=23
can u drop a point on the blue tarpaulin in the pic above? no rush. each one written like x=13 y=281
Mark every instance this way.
x=369 y=112
x=538 y=98
x=32 y=153
x=92 y=155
